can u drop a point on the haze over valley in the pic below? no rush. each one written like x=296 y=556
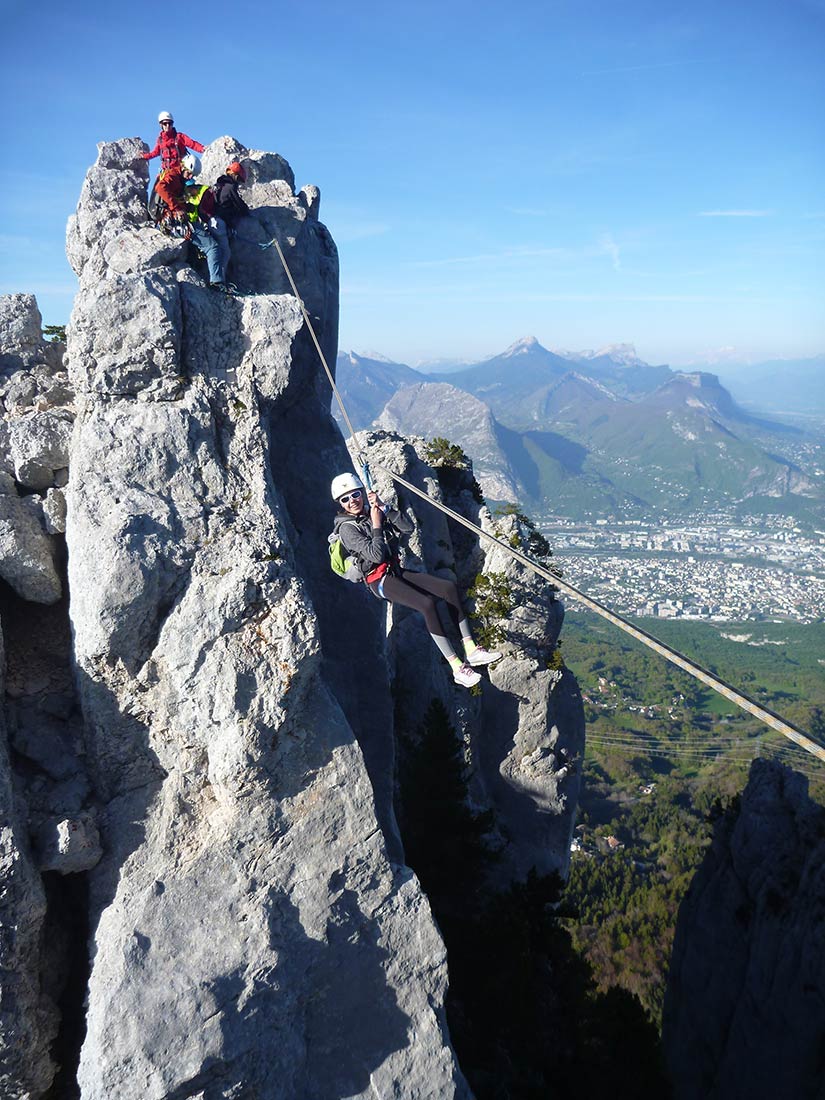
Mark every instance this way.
x=658 y=489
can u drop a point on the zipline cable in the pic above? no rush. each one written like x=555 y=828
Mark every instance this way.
x=361 y=460
x=769 y=717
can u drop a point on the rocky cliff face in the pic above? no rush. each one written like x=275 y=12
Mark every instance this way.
x=437 y=409
x=744 y=1012
x=206 y=894
x=524 y=733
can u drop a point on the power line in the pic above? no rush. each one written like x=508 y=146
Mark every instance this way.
x=741 y=752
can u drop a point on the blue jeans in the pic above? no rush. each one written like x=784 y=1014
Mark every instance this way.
x=211 y=249
x=222 y=236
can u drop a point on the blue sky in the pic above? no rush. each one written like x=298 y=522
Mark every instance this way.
x=588 y=173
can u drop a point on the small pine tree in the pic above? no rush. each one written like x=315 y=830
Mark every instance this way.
x=441 y=452
x=494 y=600
x=452 y=467
x=555 y=662
x=56 y=334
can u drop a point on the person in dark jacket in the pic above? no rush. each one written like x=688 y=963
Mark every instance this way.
x=171 y=147
x=370 y=532
x=229 y=206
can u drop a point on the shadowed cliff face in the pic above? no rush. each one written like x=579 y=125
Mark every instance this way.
x=744 y=1012
x=206 y=761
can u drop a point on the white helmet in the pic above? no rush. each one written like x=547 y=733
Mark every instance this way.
x=191 y=163
x=344 y=483
x=164 y=116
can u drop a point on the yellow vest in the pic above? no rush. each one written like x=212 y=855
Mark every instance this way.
x=193 y=196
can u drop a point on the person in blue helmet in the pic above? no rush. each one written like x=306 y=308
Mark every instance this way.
x=371 y=532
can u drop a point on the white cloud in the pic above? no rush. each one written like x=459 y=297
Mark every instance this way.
x=517 y=252
x=645 y=68
x=54 y=289
x=526 y=211
x=358 y=231
x=734 y=213
x=16 y=245
x=609 y=246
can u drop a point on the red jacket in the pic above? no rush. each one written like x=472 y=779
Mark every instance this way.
x=171 y=146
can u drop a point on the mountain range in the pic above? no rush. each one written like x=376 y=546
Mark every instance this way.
x=594 y=432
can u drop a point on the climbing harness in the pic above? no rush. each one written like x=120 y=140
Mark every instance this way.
x=769 y=717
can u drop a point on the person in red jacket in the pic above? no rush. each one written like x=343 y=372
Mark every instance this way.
x=170 y=147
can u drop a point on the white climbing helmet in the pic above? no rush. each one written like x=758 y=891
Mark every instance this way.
x=191 y=163
x=344 y=483
x=164 y=116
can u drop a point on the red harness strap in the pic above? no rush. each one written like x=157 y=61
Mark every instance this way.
x=377 y=573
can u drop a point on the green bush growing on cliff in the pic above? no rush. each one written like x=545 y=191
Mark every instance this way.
x=494 y=600
x=555 y=662
x=452 y=466
x=441 y=452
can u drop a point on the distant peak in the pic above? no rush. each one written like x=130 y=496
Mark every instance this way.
x=522 y=346
x=625 y=354
x=621 y=353
x=376 y=356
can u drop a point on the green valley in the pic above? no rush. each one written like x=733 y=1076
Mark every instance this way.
x=664 y=757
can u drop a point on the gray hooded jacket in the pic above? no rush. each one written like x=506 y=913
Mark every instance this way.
x=370 y=546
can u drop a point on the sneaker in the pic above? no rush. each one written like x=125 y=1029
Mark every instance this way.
x=466 y=676
x=481 y=656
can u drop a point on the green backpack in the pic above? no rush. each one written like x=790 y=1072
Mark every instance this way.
x=341 y=563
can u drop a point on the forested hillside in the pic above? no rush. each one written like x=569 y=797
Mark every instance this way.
x=664 y=757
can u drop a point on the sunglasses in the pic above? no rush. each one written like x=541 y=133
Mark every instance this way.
x=354 y=495
x=166 y=123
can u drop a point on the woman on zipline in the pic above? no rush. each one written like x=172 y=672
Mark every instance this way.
x=370 y=531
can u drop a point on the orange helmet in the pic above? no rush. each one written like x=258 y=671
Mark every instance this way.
x=237 y=170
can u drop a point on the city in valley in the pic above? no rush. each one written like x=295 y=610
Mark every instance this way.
x=712 y=567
